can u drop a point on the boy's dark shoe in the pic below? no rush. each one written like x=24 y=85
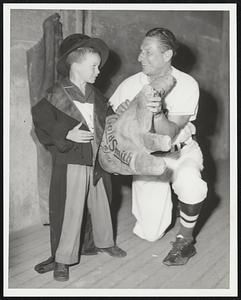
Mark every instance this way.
x=45 y=266
x=61 y=272
x=180 y=253
x=114 y=251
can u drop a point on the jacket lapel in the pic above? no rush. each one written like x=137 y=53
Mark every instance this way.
x=62 y=99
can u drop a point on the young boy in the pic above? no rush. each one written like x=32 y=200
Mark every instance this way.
x=69 y=122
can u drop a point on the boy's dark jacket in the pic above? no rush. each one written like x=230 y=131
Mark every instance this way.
x=56 y=114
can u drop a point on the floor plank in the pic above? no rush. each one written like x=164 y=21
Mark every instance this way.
x=142 y=268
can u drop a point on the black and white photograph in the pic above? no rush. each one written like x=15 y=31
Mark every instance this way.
x=120 y=159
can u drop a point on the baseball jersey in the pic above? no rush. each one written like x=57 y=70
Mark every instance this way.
x=181 y=100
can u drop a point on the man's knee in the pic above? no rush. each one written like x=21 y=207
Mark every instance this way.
x=148 y=234
x=189 y=186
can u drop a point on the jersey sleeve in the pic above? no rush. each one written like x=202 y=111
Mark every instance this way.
x=186 y=101
x=128 y=89
x=117 y=98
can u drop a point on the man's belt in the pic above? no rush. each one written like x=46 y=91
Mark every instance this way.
x=174 y=148
x=177 y=147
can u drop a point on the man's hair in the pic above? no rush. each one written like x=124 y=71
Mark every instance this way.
x=166 y=37
x=78 y=54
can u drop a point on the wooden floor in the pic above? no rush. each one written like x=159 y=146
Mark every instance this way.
x=142 y=268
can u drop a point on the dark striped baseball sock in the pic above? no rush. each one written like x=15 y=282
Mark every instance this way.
x=189 y=214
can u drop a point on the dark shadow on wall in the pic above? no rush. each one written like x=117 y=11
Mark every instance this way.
x=185 y=59
x=206 y=127
x=206 y=122
x=110 y=68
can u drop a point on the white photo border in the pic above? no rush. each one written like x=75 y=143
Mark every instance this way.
x=232 y=291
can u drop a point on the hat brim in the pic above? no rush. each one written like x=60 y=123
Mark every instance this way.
x=95 y=43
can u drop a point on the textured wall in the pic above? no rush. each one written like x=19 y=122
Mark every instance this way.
x=26 y=31
x=204 y=55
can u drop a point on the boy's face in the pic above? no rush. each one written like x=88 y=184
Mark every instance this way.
x=88 y=67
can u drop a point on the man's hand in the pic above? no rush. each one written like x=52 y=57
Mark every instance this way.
x=185 y=133
x=122 y=107
x=79 y=136
x=153 y=100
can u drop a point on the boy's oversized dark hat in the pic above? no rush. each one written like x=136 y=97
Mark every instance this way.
x=78 y=40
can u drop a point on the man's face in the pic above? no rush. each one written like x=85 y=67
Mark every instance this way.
x=88 y=67
x=152 y=56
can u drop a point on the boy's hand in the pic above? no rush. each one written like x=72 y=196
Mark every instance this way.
x=79 y=136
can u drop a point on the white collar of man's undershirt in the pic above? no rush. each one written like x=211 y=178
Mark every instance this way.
x=146 y=79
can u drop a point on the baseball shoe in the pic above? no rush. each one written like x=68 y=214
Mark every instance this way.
x=180 y=253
